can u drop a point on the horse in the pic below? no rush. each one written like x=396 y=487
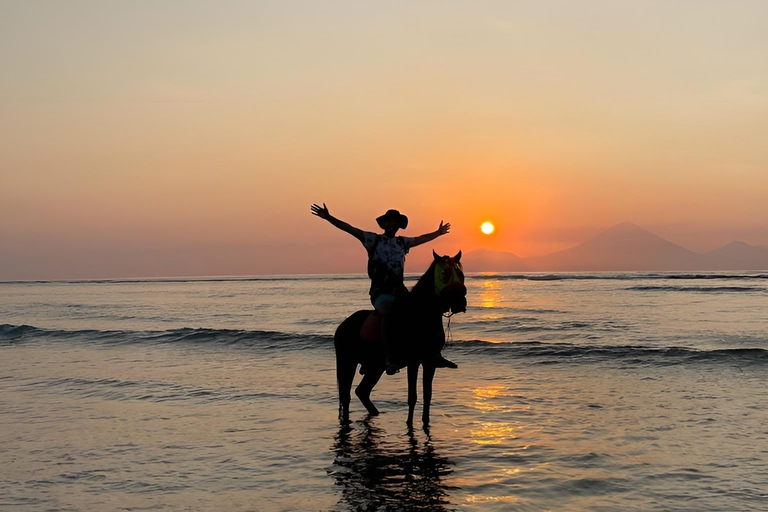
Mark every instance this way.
x=414 y=327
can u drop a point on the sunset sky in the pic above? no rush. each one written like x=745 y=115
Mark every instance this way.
x=170 y=138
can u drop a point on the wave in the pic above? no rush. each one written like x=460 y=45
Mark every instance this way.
x=215 y=279
x=629 y=353
x=704 y=289
x=610 y=276
x=152 y=391
x=246 y=338
x=270 y=340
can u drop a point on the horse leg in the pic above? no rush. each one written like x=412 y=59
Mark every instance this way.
x=413 y=381
x=429 y=375
x=363 y=390
x=345 y=374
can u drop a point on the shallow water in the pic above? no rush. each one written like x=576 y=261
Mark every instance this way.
x=595 y=395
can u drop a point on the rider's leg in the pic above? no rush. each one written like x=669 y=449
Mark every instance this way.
x=383 y=305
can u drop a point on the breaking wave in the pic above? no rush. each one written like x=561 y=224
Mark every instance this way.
x=245 y=338
x=567 y=353
x=629 y=353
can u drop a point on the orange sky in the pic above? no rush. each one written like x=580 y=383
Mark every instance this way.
x=173 y=138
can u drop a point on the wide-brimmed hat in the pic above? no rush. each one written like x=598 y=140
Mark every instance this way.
x=393 y=215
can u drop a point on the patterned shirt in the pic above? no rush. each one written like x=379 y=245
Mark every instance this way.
x=386 y=261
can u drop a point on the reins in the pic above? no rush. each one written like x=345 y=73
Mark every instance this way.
x=449 y=334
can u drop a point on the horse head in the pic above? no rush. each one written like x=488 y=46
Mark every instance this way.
x=449 y=283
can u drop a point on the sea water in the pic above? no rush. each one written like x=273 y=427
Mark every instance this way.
x=605 y=391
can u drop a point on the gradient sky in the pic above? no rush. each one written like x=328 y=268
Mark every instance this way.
x=168 y=138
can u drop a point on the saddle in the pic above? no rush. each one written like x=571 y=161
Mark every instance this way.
x=370 y=331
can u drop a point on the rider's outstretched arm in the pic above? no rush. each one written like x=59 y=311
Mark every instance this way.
x=322 y=212
x=428 y=237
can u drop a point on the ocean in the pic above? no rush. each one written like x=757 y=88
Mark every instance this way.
x=594 y=392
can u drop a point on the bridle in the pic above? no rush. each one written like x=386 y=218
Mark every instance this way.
x=448 y=274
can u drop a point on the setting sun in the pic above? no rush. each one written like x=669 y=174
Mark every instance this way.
x=487 y=228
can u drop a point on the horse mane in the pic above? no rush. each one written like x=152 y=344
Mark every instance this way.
x=426 y=283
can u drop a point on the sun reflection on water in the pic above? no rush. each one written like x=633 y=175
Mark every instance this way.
x=491 y=499
x=490 y=295
x=493 y=433
x=497 y=398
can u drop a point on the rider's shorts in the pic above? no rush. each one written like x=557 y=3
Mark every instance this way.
x=380 y=301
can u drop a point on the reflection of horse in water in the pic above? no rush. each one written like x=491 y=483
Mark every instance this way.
x=414 y=330
x=381 y=474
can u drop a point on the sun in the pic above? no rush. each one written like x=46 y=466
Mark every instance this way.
x=487 y=228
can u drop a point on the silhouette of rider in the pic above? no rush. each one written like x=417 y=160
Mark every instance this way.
x=386 y=265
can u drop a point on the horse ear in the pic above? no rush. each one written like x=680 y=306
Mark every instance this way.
x=457 y=258
x=434 y=254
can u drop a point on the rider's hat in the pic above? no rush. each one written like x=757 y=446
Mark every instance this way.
x=393 y=215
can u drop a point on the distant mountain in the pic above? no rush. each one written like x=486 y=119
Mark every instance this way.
x=483 y=260
x=622 y=247
x=737 y=256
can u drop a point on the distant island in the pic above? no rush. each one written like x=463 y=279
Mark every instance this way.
x=625 y=247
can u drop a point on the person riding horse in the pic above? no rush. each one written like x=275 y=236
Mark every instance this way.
x=386 y=265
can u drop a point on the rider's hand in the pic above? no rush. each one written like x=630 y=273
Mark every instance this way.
x=444 y=228
x=320 y=211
